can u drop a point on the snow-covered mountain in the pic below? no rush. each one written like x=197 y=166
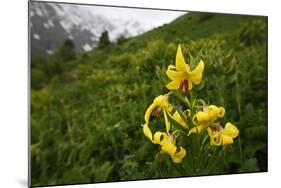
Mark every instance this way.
x=52 y=23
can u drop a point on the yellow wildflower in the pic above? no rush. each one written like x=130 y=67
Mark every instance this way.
x=202 y=119
x=160 y=105
x=219 y=136
x=166 y=140
x=167 y=143
x=181 y=75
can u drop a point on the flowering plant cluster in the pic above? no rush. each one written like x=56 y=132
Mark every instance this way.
x=196 y=118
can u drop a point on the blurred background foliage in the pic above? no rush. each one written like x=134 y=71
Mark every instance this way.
x=87 y=109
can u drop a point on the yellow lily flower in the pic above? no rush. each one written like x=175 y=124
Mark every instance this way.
x=220 y=136
x=181 y=76
x=202 y=119
x=160 y=104
x=167 y=143
x=167 y=140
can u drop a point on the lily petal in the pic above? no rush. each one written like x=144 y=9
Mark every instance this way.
x=178 y=156
x=215 y=112
x=189 y=85
x=221 y=112
x=225 y=140
x=149 y=111
x=196 y=74
x=211 y=135
x=168 y=146
x=198 y=129
x=173 y=85
x=162 y=101
x=177 y=117
x=147 y=132
x=160 y=137
x=167 y=122
x=174 y=74
x=200 y=117
x=224 y=137
x=180 y=62
x=230 y=130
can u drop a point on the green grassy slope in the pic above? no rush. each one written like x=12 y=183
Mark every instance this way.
x=86 y=116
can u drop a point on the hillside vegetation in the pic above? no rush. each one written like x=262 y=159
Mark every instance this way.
x=87 y=109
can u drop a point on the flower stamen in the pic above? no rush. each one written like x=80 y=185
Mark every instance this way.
x=156 y=112
x=184 y=85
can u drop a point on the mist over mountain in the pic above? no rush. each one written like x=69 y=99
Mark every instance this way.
x=52 y=23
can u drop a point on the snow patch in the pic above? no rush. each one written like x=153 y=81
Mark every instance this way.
x=39 y=12
x=67 y=25
x=31 y=13
x=94 y=38
x=87 y=47
x=46 y=25
x=51 y=23
x=49 y=52
x=36 y=36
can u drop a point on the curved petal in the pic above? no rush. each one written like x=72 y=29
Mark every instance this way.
x=167 y=145
x=172 y=67
x=221 y=112
x=198 y=129
x=160 y=137
x=215 y=137
x=149 y=111
x=169 y=148
x=213 y=112
x=177 y=117
x=167 y=122
x=200 y=117
x=180 y=62
x=173 y=85
x=178 y=156
x=223 y=137
x=210 y=133
x=196 y=74
x=174 y=74
x=162 y=101
x=230 y=130
x=225 y=140
x=147 y=132
x=189 y=85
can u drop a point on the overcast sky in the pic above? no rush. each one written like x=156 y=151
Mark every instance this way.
x=147 y=16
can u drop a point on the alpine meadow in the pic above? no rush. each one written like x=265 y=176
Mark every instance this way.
x=188 y=98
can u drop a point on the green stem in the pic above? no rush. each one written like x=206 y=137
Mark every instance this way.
x=213 y=161
x=203 y=142
x=192 y=159
x=181 y=98
x=200 y=159
x=180 y=131
x=223 y=157
x=240 y=150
